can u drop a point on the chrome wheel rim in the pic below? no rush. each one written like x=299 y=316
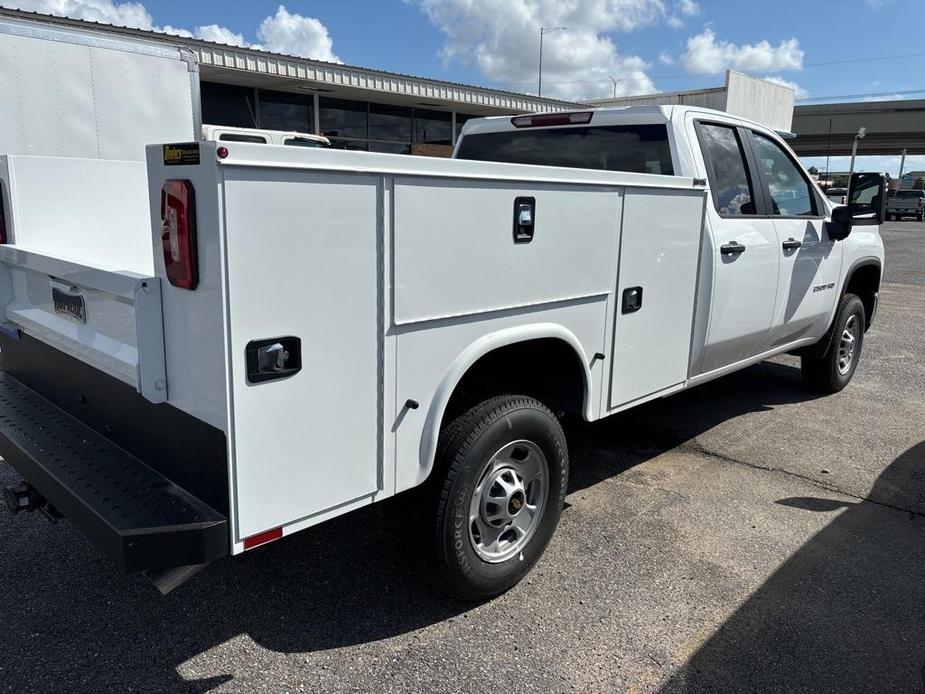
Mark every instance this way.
x=508 y=501
x=847 y=345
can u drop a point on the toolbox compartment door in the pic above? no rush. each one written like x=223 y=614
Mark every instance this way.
x=656 y=290
x=303 y=264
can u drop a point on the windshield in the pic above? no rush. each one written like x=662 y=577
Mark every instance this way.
x=910 y=194
x=634 y=148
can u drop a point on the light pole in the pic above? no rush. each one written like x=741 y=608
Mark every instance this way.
x=543 y=30
x=902 y=166
x=615 y=82
x=862 y=131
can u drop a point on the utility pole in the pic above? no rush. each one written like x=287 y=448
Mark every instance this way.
x=902 y=166
x=539 y=85
x=862 y=131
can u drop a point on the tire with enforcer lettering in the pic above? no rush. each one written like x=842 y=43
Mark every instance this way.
x=833 y=370
x=495 y=497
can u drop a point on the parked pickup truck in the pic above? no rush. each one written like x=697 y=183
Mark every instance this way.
x=906 y=203
x=302 y=332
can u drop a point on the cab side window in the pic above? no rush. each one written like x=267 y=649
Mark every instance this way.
x=733 y=193
x=791 y=193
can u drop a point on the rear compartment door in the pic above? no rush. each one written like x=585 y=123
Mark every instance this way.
x=303 y=262
x=656 y=288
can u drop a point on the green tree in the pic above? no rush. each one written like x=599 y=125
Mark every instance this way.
x=840 y=182
x=919 y=184
x=813 y=170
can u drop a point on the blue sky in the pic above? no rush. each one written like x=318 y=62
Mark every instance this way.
x=645 y=45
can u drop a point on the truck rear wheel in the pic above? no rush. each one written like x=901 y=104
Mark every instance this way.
x=833 y=371
x=502 y=471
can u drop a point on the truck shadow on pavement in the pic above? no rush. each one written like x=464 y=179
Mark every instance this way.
x=612 y=445
x=77 y=626
x=845 y=613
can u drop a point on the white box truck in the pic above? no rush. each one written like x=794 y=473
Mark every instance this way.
x=302 y=332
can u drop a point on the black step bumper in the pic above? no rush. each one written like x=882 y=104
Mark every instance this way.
x=133 y=514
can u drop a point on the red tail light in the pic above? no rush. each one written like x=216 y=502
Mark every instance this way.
x=178 y=234
x=2 y=215
x=547 y=119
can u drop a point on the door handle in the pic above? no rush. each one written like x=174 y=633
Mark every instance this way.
x=791 y=244
x=732 y=248
x=524 y=219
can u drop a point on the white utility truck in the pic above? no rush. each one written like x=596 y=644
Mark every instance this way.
x=302 y=332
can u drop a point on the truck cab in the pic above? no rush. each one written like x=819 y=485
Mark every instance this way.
x=773 y=258
x=906 y=203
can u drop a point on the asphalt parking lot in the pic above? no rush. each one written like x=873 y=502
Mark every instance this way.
x=744 y=536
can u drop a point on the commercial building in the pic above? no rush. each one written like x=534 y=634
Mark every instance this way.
x=358 y=108
x=367 y=109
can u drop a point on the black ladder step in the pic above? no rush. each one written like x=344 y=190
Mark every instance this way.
x=133 y=514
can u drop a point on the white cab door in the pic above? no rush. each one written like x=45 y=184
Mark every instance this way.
x=742 y=249
x=810 y=260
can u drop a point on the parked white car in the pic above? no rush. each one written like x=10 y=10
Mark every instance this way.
x=292 y=138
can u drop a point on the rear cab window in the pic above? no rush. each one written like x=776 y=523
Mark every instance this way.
x=642 y=148
x=909 y=194
x=730 y=180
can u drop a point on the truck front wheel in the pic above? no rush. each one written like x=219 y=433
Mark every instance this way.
x=833 y=370
x=502 y=470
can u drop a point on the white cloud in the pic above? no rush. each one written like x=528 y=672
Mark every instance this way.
x=130 y=14
x=665 y=58
x=219 y=34
x=800 y=93
x=283 y=32
x=705 y=54
x=683 y=8
x=293 y=34
x=502 y=40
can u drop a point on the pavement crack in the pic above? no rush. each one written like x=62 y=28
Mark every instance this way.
x=695 y=446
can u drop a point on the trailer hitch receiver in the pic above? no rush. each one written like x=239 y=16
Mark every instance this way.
x=23 y=497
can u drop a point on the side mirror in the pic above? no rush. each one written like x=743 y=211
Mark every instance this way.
x=866 y=205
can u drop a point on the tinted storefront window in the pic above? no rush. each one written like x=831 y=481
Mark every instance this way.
x=340 y=143
x=433 y=127
x=461 y=121
x=285 y=111
x=389 y=123
x=341 y=118
x=226 y=104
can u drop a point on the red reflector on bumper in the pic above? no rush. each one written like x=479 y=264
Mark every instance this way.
x=263 y=538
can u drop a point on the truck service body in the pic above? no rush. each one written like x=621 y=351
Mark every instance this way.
x=297 y=332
